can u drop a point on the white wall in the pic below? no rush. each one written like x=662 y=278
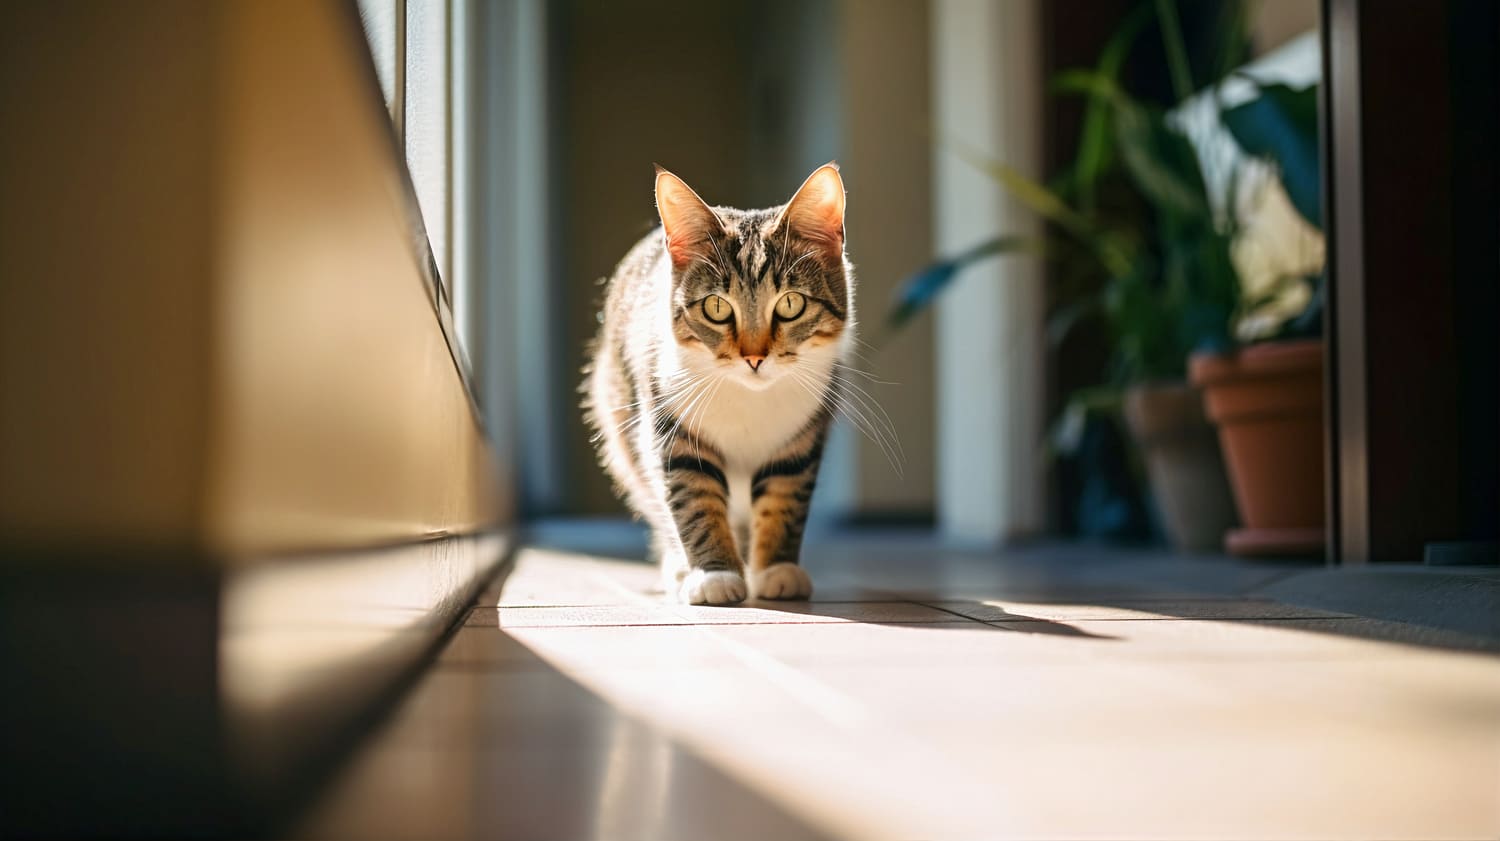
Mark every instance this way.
x=1275 y=22
x=886 y=158
x=987 y=90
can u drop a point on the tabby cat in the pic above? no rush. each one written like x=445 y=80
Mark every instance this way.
x=712 y=383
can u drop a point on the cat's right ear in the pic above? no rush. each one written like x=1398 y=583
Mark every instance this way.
x=687 y=220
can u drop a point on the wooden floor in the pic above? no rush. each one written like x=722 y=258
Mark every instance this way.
x=1057 y=693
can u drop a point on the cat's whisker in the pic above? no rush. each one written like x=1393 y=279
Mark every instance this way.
x=700 y=256
x=723 y=266
x=887 y=449
x=793 y=267
x=869 y=401
x=837 y=377
x=842 y=410
x=859 y=357
x=675 y=414
x=684 y=412
x=875 y=434
x=672 y=436
x=668 y=401
x=841 y=366
x=882 y=430
x=882 y=434
x=692 y=428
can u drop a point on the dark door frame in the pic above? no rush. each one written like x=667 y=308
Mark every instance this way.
x=1409 y=107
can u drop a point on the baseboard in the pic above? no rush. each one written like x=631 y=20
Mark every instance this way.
x=179 y=703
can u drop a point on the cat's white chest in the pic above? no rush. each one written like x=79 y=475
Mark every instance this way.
x=748 y=427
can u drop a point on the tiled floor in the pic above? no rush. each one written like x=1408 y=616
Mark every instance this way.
x=930 y=694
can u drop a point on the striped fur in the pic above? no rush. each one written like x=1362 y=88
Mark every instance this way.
x=711 y=384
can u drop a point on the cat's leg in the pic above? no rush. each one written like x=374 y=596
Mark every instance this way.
x=741 y=531
x=698 y=497
x=668 y=555
x=612 y=407
x=781 y=494
x=666 y=547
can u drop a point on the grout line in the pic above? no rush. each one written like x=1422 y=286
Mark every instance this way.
x=1323 y=614
x=951 y=612
x=741 y=605
x=842 y=622
x=1019 y=619
x=896 y=598
x=835 y=622
x=956 y=618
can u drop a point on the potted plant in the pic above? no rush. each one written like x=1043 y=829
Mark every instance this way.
x=1157 y=273
x=1267 y=397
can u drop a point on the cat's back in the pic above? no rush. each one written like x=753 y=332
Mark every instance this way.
x=643 y=268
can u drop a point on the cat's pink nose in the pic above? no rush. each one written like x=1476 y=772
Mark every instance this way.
x=754 y=362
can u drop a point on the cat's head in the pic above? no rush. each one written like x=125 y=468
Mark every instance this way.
x=758 y=295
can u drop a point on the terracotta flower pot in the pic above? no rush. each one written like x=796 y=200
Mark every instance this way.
x=1183 y=462
x=1267 y=401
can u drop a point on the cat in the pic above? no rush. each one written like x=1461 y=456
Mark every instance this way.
x=713 y=381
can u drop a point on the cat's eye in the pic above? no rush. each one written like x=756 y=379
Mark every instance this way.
x=717 y=309
x=791 y=305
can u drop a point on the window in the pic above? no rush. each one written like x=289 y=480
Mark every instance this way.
x=417 y=47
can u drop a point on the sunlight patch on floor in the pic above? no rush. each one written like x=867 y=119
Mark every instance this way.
x=939 y=695
x=882 y=730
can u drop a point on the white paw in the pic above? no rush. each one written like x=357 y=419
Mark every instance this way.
x=712 y=587
x=781 y=581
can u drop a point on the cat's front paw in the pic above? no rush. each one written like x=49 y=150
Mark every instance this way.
x=712 y=587
x=781 y=581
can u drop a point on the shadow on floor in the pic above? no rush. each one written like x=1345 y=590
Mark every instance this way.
x=1403 y=604
x=833 y=609
x=494 y=742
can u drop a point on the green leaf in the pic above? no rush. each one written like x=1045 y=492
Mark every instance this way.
x=1035 y=196
x=1092 y=83
x=1176 y=47
x=1061 y=323
x=1094 y=150
x=1233 y=48
x=1066 y=433
x=1160 y=161
x=1045 y=203
x=919 y=291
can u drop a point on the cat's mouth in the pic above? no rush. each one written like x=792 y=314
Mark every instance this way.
x=757 y=380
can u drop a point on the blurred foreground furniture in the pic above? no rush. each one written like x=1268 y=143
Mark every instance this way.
x=243 y=484
x=1414 y=357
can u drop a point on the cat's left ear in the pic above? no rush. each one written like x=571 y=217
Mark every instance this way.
x=816 y=212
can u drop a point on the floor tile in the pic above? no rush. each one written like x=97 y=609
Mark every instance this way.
x=650 y=647
x=708 y=647
x=774 y=612
x=605 y=777
x=748 y=613
x=960 y=645
x=1008 y=610
x=573 y=616
x=540 y=577
x=1041 y=696
x=1279 y=734
x=479 y=648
